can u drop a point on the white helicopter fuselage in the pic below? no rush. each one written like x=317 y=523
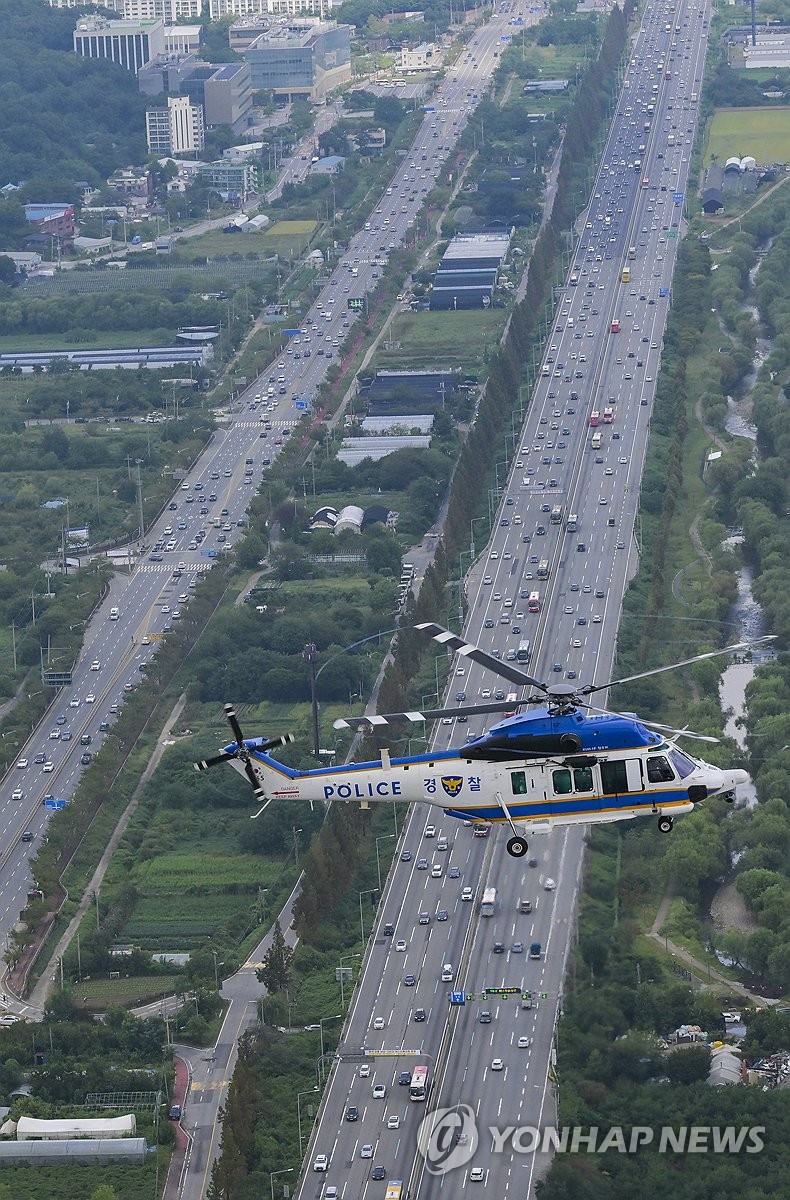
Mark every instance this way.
x=541 y=792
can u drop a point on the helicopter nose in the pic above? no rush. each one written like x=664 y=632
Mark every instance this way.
x=738 y=777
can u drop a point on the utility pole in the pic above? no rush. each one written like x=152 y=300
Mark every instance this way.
x=310 y=654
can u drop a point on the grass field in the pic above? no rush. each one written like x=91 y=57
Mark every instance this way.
x=287 y=238
x=762 y=132
x=447 y=339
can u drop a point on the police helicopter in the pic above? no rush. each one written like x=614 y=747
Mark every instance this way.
x=554 y=765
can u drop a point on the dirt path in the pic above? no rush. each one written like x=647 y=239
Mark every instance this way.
x=705 y=975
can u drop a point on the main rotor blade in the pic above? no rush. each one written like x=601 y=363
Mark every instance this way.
x=233 y=721
x=429 y=714
x=698 y=737
x=250 y=773
x=589 y=688
x=206 y=763
x=469 y=650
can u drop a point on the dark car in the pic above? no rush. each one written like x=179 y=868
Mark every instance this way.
x=86 y=758
x=27 y=836
x=405 y=856
x=352 y=1113
x=388 y=930
x=409 y=980
x=485 y=1017
x=419 y=1014
x=378 y=1173
x=441 y=914
x=404 y=1078
x=499 y=948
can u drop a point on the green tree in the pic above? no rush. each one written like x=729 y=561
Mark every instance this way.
x=275 y=974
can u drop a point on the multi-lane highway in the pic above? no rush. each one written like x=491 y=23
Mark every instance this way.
x=207 y=510
x=557 y=585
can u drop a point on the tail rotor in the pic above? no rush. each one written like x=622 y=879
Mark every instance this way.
x=242 y=751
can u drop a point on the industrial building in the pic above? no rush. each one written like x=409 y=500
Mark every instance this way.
x=224 y=91
x=405 y=393
x=468 y=272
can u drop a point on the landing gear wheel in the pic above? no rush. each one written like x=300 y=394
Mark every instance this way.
x=729 y=797
x=665 y=824
x=517 y=847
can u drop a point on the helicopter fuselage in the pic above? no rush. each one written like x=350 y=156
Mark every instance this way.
x=559 y=789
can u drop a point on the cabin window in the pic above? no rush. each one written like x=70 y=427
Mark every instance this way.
x=613 y=778
x=583 y=779
x=562 y=782
x=659 y=770
x=682 y=763
x=518 y=782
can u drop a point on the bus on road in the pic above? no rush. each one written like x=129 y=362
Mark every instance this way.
x=595 y=418
x=543 y=569
x=608 y=416
x=488 y=903
x=418 y=1088
x=522 y=654
x=533 y=604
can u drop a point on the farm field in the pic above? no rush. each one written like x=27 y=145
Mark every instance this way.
x=763 y=133
x=100 y=994
x=185 y=898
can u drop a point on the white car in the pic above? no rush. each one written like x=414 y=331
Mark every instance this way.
x=22 y=764
x=379 y=1023
x=17 y=794
x=436 y=871
x=467 y=894
x=48 y=768
x=366 y=1151
x=400 y=945
x=393 y=1122
x=477 y=1175
x=146 y=641
x=165 y=608
x=9 y=1019
x=497 y=1064
x=364 y=1071
x=524 y=1043
x=549 y=885
x=320 y=1162
x=95 y=665
x=90 y=698
x=74 y=703
x=54 y=735
x=379 y=1091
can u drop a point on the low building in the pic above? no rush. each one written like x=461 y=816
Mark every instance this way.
x=353 y=451
x=421 y=58
x=233 y=181
x=54 y=220
x=23 y=260
x=68 y=1128
x=547 y=86
x=136 y=183
x=331 y=165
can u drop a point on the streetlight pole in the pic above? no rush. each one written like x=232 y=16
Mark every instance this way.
x=284 y=1171
x=367 y=892
x=309 y=1092
x=336 y=1017
x=383 y=838
x=355 y=954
